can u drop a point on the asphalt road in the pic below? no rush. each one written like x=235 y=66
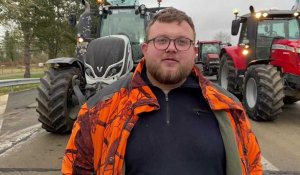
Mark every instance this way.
x=27 y=149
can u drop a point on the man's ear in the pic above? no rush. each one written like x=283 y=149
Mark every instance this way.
x=196 y=49
x=144 y=48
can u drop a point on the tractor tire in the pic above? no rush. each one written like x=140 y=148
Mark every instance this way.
x=227 y=74
x=290 y=100
x=56 y=109
x=263 y=92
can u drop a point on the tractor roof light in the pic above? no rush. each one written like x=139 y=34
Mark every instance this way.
x=236 y=12
x=101 y=2
x=296 y=14
x=258 y=15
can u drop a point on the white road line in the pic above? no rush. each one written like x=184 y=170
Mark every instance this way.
x=8 y=140
x=1 y=122
x=268 y=165
x=3 y=101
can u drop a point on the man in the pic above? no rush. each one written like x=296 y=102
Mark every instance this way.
x=166 y=118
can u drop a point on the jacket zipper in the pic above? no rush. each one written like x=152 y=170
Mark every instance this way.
x=168 y=110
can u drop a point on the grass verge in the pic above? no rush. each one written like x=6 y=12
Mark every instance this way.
x=7 y=90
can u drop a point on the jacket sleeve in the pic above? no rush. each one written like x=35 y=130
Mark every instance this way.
x=253 y=150
x=78 y=158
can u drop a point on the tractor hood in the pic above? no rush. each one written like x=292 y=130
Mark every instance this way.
x=286 y=42
x=212 y=56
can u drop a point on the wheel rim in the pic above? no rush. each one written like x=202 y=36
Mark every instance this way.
x=224 y=76
x=251 y=92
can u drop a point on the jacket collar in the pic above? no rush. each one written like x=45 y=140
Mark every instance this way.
x=217 y=97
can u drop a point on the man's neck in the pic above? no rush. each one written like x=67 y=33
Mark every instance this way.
x=166 y=88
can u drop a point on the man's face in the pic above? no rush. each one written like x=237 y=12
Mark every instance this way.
x=169 y=66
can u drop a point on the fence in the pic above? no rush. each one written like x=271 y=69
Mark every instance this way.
x=15 y=82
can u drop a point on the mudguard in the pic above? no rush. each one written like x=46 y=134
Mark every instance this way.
x=235 y=53
x=67 y=60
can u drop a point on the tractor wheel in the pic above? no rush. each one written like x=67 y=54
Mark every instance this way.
x=263 y=92
x=227 y=74
x=56 y=107
x=290 y=100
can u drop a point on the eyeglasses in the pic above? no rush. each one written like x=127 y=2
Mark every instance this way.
x=162 y=43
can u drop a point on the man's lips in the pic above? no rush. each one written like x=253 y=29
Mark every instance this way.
x=170 y=59
x=170 y=62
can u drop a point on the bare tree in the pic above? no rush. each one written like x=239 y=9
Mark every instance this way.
x=224 y=37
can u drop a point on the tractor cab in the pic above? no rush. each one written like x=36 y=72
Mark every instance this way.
x=115 y=18
x=208 y=56
x=121 y=25
x=270 y=36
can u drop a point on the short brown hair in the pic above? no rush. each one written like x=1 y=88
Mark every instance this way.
x=169 y=15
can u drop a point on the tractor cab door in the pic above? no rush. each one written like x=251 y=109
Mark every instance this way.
x=268 y=31
x=248 y=36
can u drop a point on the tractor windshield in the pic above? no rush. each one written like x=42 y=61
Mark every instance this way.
x=126 y=22
x=285 y=28
x=270 y=29
x=211 y=48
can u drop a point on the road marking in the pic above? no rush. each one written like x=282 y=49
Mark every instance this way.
x=3 y=101
x=268 y=165
x=8 y=141
x=1 y=122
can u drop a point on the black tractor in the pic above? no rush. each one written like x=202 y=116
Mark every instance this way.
x=108 y=48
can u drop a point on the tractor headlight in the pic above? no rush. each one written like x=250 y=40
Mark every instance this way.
x=246 y=48
x=80 y=40
x=245 y=52
x=113 y=70
x=100 y=2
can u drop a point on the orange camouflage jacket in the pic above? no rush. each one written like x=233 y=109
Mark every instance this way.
x=98 y=141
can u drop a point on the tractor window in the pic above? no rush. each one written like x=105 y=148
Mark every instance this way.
x=294 y=29
x=243 y=35
x=211 y=48
x=125 y=21
x=265 y=36
x=278 y=29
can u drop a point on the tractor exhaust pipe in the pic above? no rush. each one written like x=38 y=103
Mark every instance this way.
x=296 y=6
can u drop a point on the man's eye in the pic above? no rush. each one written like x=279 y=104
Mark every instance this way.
x=162 y=40
x=182 y=42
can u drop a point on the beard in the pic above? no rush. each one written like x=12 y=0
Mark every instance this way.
x=169 y=77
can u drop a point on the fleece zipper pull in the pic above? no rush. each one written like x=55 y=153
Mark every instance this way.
x=167 y=109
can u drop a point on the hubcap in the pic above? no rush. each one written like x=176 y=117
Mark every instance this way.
x=224 y=76
x=251 y=92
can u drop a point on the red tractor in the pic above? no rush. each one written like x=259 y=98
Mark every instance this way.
x=264 y=68
x=208 y=56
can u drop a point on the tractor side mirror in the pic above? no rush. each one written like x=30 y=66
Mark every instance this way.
x=72 y=20
x=235 y=27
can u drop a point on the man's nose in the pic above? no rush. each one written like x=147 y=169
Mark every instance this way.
x=171 y=47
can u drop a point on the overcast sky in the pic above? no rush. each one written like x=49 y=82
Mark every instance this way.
x=214 y=16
